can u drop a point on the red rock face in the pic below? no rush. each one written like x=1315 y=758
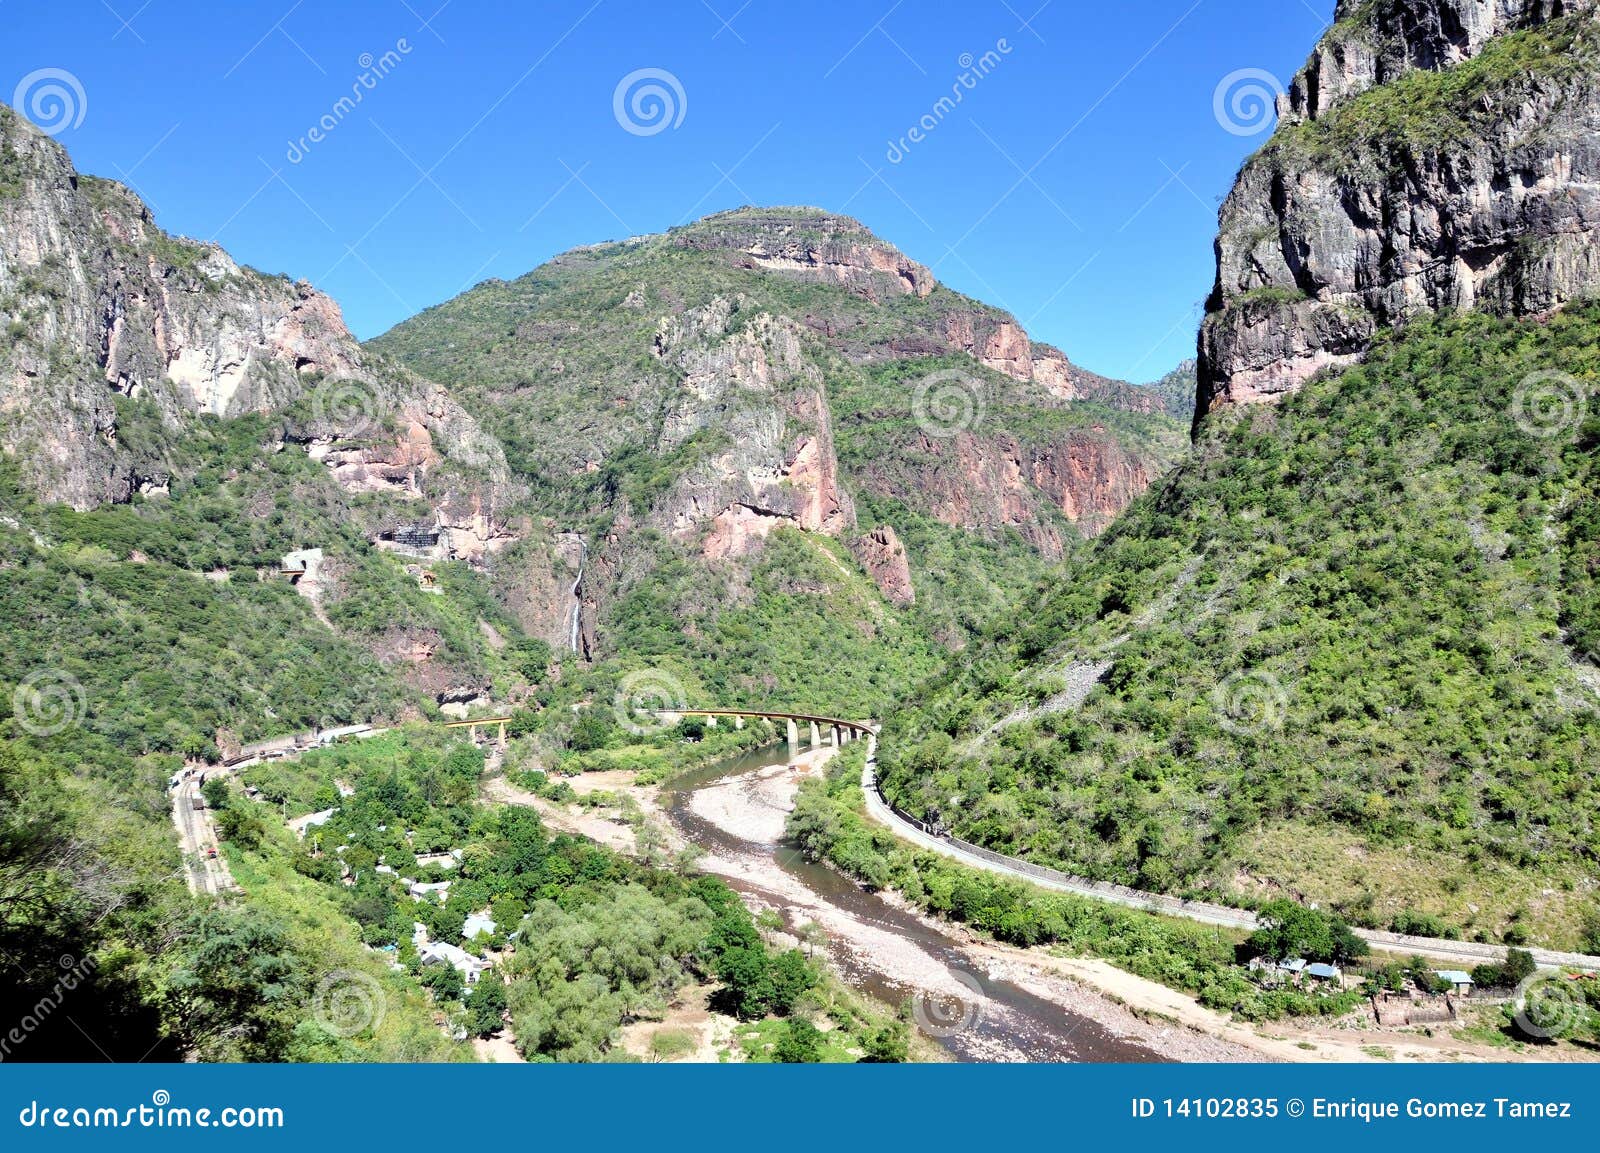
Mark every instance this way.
x=884 y=557
x=737 y=531
x=1091 y=480
x=990 y=484
x=1006 y=348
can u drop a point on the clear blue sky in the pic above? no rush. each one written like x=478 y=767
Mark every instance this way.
x=1075 y=184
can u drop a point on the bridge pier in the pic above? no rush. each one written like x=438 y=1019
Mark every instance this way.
x=838 y=741
x=472 y=733
x=816 y=736
x=738 y=722
x=794 y=737
x=502 y=734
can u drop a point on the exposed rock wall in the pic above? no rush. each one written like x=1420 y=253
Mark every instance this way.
x=98 y=301
x=817 y=246
x=884 y=557
x=751 y=387
x=1433 y=154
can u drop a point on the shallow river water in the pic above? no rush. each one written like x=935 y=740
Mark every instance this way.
x=881 y=949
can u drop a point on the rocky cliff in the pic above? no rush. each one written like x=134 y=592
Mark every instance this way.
x=99 y=303
x=1431 y=155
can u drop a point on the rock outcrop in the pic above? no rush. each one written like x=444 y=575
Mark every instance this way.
x=813 y=245
x=764 y=401
x=1433 y=154
x=98 y=301
x=884 y=557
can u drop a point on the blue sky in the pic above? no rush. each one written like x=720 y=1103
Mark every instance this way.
x=1076 y=183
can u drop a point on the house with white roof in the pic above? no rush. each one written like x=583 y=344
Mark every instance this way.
x=443 y=953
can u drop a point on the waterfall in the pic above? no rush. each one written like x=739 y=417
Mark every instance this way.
x=575 y=628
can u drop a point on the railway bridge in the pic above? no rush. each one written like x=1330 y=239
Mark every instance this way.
x=818 y=728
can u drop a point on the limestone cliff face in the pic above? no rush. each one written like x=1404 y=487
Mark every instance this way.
x=98 y=301
x=1433 y=154
x=774 y=461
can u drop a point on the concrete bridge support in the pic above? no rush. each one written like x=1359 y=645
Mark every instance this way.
x=816 y=735
x=794 y=737
x=738 y=722
x=838 y=737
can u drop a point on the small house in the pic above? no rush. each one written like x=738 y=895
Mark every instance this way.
x=477 y=923
x=442 y=953
x=1460 y=982
x=1321 y=972
x=424 y=889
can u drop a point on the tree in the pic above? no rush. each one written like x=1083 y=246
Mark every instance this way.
x=590 y=731
x=888 y=1045
x=801 y=1043
x=531 y=658
x=236 y=991
x=445 y=981
x=743 y=970
x=692 y=728
x=789 y=976
x=487 y=1005
x=1290 y=930
x=215 y=791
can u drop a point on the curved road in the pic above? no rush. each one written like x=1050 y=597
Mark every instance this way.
x=1461 y=952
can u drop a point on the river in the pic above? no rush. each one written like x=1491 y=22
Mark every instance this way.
x=734 y=811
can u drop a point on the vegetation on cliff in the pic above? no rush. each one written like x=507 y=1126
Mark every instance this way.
x=1341 y=653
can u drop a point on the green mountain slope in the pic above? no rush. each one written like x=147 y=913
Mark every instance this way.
x=674 y=401
x=1340 y=653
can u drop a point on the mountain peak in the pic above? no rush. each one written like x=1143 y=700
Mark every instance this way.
x=1433 y=155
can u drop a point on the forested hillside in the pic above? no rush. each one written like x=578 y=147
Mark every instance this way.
x=1346 y=652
